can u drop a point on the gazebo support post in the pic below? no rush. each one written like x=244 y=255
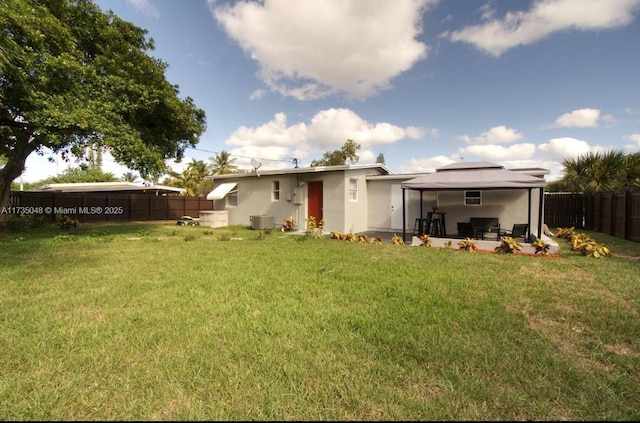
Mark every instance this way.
x=540 y=206
x=529 y=215
x=404 y=218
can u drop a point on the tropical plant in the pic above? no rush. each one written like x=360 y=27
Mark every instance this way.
x=288 y=224
x=314 y=229
x=468 y=244
x=192 y=179
x=397 y=240
x=595 y=172
x=565 y=233
x=541 y=247
x=78 y=77
x=508 y=245
x=426 y=240
x=129 y=177
x=363 y=238
x=337 y=235
x=375 y=240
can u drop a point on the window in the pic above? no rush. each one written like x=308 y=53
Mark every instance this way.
x=232 y=198
x=353 y=189
x=473 y=198
x=275 y=191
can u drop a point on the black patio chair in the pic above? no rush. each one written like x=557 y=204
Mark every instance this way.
x=466 y=230
x=519 y=230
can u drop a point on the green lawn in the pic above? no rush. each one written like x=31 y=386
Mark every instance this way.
x=155 y=321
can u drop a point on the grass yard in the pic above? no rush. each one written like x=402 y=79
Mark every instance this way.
x=154 y=321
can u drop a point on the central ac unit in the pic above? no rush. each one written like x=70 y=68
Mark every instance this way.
x=261 y=222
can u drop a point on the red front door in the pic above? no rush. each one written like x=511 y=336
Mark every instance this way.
x=314 y=200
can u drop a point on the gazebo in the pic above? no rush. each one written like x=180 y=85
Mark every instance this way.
x=475 y=176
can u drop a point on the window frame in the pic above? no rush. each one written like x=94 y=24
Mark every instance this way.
x=353 y=192
x=275 y=190
x=473 y=200
x=232 y=194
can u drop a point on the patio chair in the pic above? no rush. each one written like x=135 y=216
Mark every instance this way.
x=519 y=230
x=466 y=230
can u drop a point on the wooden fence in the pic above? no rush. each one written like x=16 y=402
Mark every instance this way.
x=564 y=209
x=616 y=213
x=101 y=207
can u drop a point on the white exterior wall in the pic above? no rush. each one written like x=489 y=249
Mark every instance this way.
x=255 y=198
x=339 y=211
x=380 y=205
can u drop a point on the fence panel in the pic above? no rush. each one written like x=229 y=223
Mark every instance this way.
x=634 y=216
x=107 y=207
x=564 y=210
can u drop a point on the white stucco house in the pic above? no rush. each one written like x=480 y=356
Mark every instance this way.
x=360 y=198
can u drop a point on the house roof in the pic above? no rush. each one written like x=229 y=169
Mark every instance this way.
x=298 y=170
x=473 y=175
x=128 y=187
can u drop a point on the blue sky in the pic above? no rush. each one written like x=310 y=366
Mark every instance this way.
x=425 y=82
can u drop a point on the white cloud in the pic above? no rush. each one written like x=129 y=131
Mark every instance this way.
x=496 y=135
x=635 y=139
x=583 y=118
x=561 y=148
x=425 y=165
x=146 y=7
x=327 y=130
x=257 y=94
x=315 y=48
x=545 y=17
x=498 y=153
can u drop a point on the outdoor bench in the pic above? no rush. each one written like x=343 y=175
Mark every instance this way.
x=485 y=225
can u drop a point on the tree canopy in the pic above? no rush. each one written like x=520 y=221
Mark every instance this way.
x=594 y=172
x=348 y=151
x=74 y=76
x=194 y=179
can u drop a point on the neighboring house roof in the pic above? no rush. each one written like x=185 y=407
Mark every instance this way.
x=474 y=175
x=128 y=187
x=297 y=170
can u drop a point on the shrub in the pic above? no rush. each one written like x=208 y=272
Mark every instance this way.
x=468 y=244
x=508 y=245
x=397 y=240
x=541 y=247
x=426 y=240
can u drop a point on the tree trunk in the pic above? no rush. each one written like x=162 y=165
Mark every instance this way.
x=14 y=167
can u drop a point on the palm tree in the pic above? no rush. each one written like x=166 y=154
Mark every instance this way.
x=192 y=179
x=595 y=172
x=129 y=177
x=223 y=164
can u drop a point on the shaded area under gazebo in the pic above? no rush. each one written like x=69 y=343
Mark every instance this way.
x=474 y=176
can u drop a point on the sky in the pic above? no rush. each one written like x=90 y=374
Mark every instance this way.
x=426 y=83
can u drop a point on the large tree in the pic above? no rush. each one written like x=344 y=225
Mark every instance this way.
x=348 y=151
x=75 y=77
